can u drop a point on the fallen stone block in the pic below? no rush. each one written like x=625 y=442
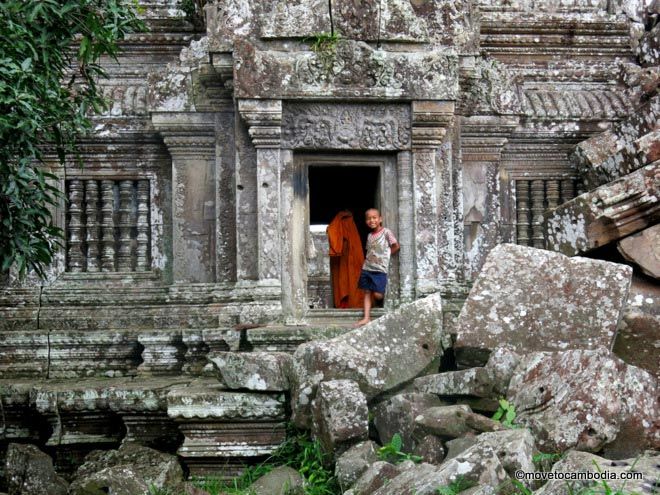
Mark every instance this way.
x=29 y=470
x=643 y=249
x=282 y=480
x=376 y=475
x=647 y=464
x=587 y=400
x=341 y=416
x=489 y=381
x=397 y=415
x=479 y=465
x=430 y=449
x=454 y=421
x=638 y=341
x=387 y=352
x=266 y=371
x=606 y=214
x=351 y=464
x=535 y=300
x=131 y=470
x=613 y=154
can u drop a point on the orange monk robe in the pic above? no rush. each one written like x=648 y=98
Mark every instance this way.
x=346 y=258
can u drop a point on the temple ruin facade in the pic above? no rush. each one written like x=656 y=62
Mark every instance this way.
x=196 y=223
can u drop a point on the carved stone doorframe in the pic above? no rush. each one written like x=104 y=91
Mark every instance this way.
x=415 y=131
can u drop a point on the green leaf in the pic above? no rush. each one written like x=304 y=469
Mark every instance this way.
x=396 y=442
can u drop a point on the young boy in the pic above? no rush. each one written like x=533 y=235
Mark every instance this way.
x=381 y=244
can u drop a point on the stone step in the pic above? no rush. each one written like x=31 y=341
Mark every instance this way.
x=153 y=352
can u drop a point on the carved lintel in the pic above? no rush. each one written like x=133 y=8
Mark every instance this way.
x=187 y=133
x=430 y=121
x=264 y=118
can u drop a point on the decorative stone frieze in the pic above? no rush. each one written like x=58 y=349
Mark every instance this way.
x=163 y=352
x=346 y=126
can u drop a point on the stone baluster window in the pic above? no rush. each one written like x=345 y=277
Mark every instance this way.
x=533 y=197
x=108 y=226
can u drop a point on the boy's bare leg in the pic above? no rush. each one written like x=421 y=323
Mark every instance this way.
x=367 y=310
x=378 y=296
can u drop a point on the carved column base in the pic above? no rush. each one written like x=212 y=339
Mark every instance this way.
x=223 y=430
x=163 y=352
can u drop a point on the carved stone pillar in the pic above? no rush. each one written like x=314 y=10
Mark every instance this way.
x=190 y=139
x=264 y=118
x=430 y=121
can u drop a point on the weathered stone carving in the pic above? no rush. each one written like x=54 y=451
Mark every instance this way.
x=355 y=70
x=296 y=19
x=493 y=89
x=357 y=127
x=606 y=214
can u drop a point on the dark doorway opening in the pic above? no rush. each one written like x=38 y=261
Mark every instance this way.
x=336 y=188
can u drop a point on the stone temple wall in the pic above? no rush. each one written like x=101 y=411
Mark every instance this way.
x=189 y=220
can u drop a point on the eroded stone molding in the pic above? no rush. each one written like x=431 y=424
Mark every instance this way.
x=264 y=118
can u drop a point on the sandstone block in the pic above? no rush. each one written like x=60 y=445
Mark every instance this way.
x=355 y=461
x=267 y=371
x=397 y=415
x=648 y=464
x=587 y=400
x=530 y=299
x=341 y=416
x=282 y=480
x=430 y=449
x=379 y=356
x=131 y=470
x=606 y=214
x=376 y=475
x=643 y=249
x=29 y=470
x=478 y=464
x=454 y=421
x=638 y=341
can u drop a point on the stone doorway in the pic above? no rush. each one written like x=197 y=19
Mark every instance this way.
x=336 y=182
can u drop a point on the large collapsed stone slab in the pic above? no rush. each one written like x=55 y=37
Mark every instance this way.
x=379 y=356
x=606 y=214
x=551 y=303
x=643 y=249
x=587 y=400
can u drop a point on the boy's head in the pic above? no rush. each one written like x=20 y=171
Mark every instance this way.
x=373 y=218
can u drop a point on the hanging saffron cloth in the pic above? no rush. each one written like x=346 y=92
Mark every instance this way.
x=346 y=258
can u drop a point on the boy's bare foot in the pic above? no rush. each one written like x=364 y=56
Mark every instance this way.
x=361 y=323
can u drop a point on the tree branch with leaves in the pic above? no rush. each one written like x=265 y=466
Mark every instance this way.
x=49 y=68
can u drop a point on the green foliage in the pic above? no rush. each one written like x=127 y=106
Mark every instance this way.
x=456 y=486
x=391 y=451
x=520 y=488
x=194 y=12
x=298 y=452
x=325 y=47
x=48 y=87
x=506 y=413
x=544 y=461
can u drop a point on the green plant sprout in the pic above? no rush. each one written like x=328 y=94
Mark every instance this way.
x=391 y=451
x=456 y=486
x=506 y=413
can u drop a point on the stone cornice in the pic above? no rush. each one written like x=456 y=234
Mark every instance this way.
x=430 y=121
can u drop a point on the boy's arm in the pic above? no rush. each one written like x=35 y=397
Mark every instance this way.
x=394 y=248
